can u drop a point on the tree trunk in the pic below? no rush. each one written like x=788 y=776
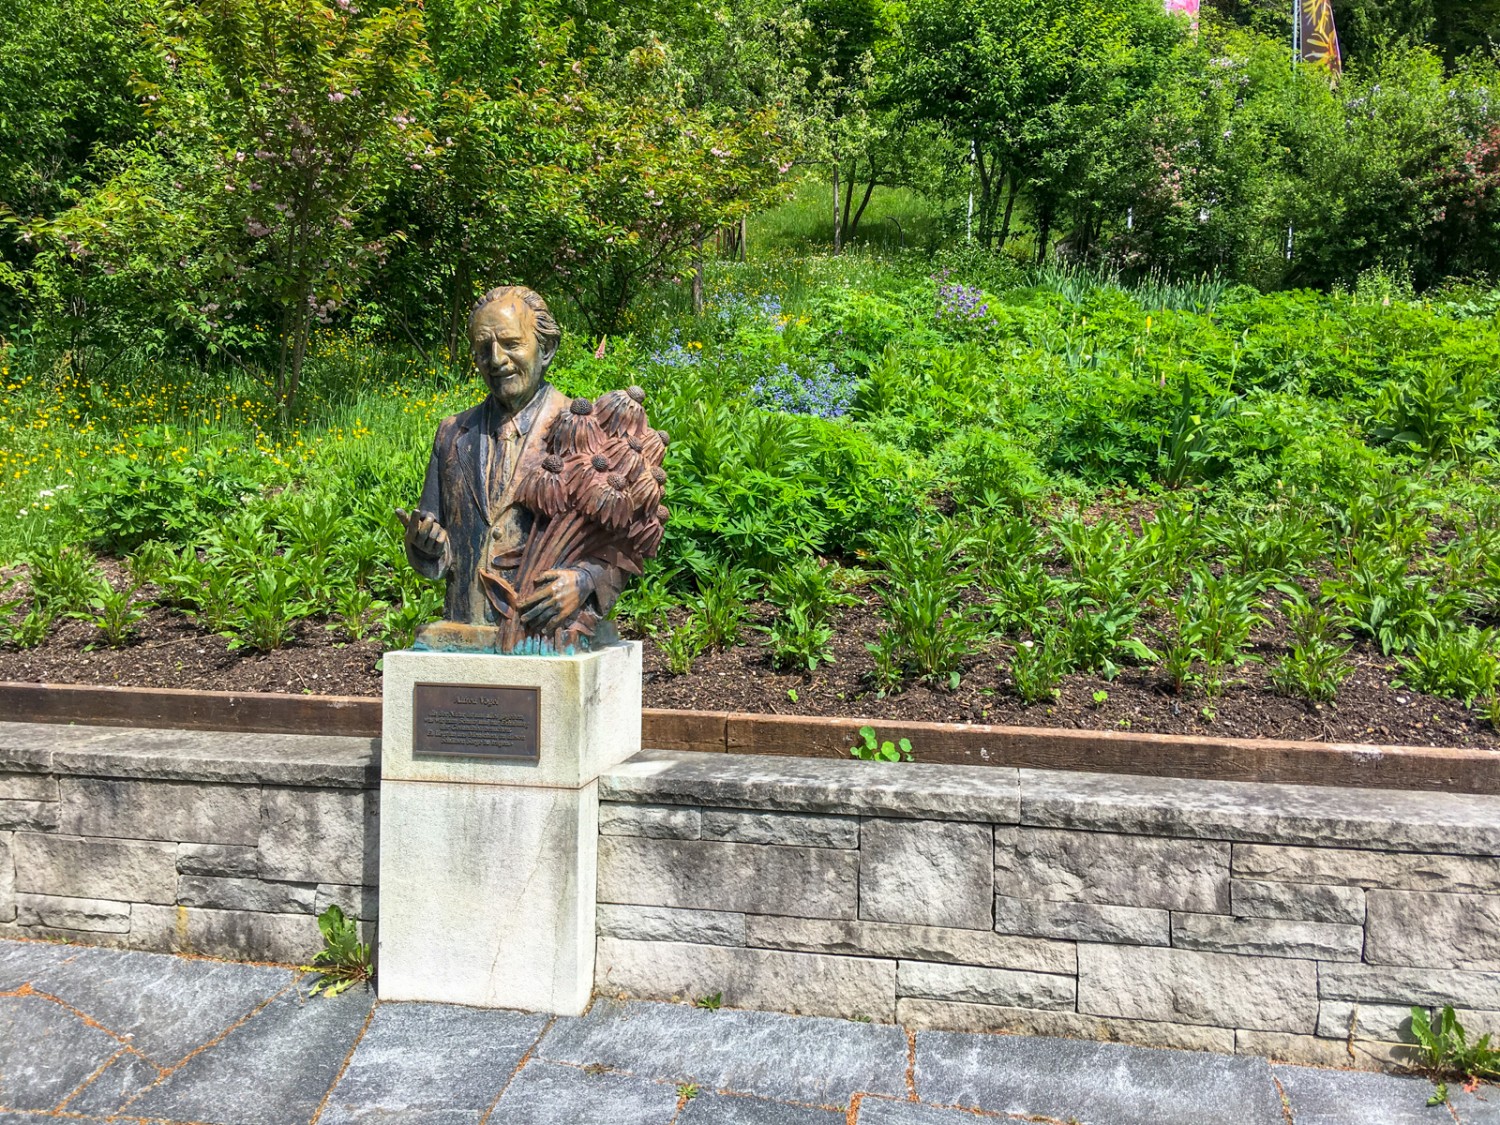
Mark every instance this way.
x=744 y=238
x=865 y=202
x=1043 y=236
x=838 y=241
x=849 y=197
x=986 y=188
x=1010 y=204
x=698 y=276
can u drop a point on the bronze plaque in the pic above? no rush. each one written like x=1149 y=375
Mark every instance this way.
x=465 y=721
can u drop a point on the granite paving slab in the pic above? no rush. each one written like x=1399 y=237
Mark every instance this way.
x=165 y=1006
x=880 y=1111
x=21 y=961
x=807 y=1059
x=715 y=1109
x=417 y=1062
x=1479 y=1108
x=128 y=1075
x=46 y=1052
x=1096 y=1083
x=274 y=1069
x=552 y=1094
x=1334 y=1097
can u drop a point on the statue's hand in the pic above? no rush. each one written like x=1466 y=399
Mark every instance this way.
x=558 y=596
x=424 y=535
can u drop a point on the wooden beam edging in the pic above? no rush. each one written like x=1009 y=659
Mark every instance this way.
x=1431 y=769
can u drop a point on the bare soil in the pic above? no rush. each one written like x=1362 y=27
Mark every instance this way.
x=170 y=651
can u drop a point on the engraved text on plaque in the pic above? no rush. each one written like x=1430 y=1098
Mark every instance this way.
x=465 y=721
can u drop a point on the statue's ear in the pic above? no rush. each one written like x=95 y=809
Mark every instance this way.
x=547 y=347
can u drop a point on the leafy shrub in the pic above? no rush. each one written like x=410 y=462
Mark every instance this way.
x=1461 y=663
x=1315 y=667
x=63 y=578
x=931 y=628
x=114 y=612
x=1038 y=666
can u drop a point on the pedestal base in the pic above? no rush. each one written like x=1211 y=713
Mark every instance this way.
x=487 y=866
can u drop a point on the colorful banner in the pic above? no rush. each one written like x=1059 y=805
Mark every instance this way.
x=1320 y=39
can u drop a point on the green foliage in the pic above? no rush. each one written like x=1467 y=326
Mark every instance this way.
x=344 y=960
x=64 y=579
x=722 y=608
x=1038 y=666
x=1214 y=621
x=1315 y=666
x=870 y=748
x=683 y=644
x=1446 y=1049
x=114 y=612
x=712 y=1002
x=1461 y=663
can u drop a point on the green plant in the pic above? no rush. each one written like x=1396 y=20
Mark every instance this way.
x=798 y=644
x=31 y=630
x=683 y=645
x=1446 y=1049
x=871 y=749
x=1038 y=666
x=353 y=606
x=931 y=628
x=115 y=613
x=269 y=610
x=712 y=1002
x=644 y=604
x=1315 y=666
x=687 y=1091
x=422 y=602
x=344 y=960
x=1462 y=663
x=63 y=578
x=1100 y=698
x=1214 y=621
x=722 y=606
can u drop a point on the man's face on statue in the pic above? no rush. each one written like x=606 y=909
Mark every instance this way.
x=503 y=340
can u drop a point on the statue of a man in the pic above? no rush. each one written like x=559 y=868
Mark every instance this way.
x=469 y=526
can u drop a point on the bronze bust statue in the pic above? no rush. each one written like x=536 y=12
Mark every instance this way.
x=536 y=508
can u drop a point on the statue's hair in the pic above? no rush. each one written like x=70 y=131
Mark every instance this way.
x=547 y=331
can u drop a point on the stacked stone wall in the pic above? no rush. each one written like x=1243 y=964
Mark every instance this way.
x=1294 y=922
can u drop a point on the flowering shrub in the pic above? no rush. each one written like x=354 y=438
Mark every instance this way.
x=964 y=307
x=826 y=393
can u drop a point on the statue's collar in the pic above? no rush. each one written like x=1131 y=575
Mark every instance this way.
x=496 y=415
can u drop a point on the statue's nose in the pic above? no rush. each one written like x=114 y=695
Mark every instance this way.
x=496 y=357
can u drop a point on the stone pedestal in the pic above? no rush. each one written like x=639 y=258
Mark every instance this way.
x=487 y=865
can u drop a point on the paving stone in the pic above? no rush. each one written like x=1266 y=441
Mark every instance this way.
x=1301 y=902
x=658 y=822
x=1479 y=1108
x=1083 y=921
x=230 y=860
x=355 y=902
x=46 y=1052
x=916 y=943
x=711 y=1109
x=547 y=1094
x=54 y=912
x=160 y=810
x=927 y=873
x=28 y=787
x=245 y=894
x=1107 y=868
x=32 y=816
x=319 y=836
x=781 y=828
x=289 y=1055
x=946 y=1015
x=1391 y=1022
x=418 y=1059
x=1267 y=937
x=108 y=869
x=847 y=987
x=1184 y=986
x=742 y=878
x=169 y=1006
x=812 y=1061
x=1094 y=1083
x=1358 y=867
x=1256 y=812
x=1362 y=1054
x=22 y=961
x=880 y=1111
x=7 y=878
x=236 y=935
x=907 y=789
x=973 y=985
x=1442 y=931
x=1395 y=985
x=122 y=1080
x=665 y=923
x=1333 y=1097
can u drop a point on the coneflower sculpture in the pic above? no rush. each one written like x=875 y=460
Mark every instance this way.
x=596 y=497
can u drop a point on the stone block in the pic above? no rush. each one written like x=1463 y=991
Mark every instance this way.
x=1323 y=1097
x=28 y=816
x=218 y=859
x=739 y=878
x=969 y=984
x=91 y=914
x=27 y=787
x=1391 y=1023
x=794 y=829
x=914 y=943
x=1358 y=867
x=664 y=923
x=1309 y=1050
x=802 y=983
x=945 y=1015
x=7 y=878
x=978 y=794
x=1300 y=902
x=355 y=902
x=1404 y=986
x=927 y=873
x=319 y=835
x=160 y=810
x=1083 y=921
x=1267 y=937
x=117 y=870
x=1105 y=868
x=543 y=1093
x=245 y=894
x=1185 y=986
x=1441 y=931
x=235 y=935
x=659 y=822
